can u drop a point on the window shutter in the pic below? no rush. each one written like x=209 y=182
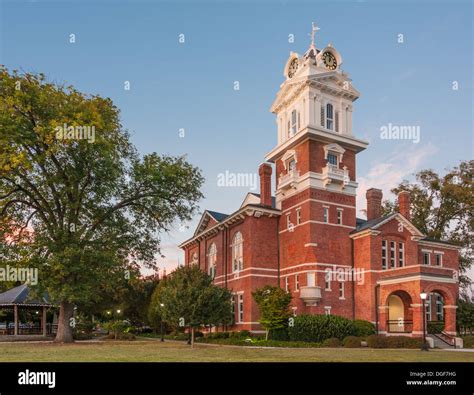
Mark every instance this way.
x=322 y=116
x=336 y=120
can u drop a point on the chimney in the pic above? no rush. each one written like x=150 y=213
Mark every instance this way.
x=404 y=204
x=265 y=172
x=374 y=203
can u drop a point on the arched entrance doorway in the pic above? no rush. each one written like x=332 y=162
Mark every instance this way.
x=400 y=316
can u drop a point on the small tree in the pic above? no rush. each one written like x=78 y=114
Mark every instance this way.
x=273 y=303
x=188 y=298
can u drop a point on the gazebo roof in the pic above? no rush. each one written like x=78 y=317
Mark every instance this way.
x=21 y=296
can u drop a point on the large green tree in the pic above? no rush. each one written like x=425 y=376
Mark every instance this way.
x=93 y=208
x=442 y=207
x=273 y=304
x=187 y=298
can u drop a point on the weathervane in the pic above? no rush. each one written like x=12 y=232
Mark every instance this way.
x=314 y=29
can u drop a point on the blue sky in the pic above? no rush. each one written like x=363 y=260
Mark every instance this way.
x=191 y=85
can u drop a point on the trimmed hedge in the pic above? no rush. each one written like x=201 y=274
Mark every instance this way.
x=317 y=328
x=468 y=341
x=332 y=342
x=377 y=341
x=363 y=328
x=352 y=342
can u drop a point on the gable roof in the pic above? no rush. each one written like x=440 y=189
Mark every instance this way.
x=256 y=202
x=206 y=217
x=378 y=222
x=21 y=296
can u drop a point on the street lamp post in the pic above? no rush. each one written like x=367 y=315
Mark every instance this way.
x=162 y=333
x=424 y=346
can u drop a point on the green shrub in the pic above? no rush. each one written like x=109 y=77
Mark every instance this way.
x=198 y=334
x=363 y=328
x=278 y=334
x=332 y=342
x=352 y=342
x=121 y=336
x=317 y=328
x=240 y=334
x=468 y=341
x=434 y=327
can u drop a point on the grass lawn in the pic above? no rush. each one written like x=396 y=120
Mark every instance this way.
x=155 y=351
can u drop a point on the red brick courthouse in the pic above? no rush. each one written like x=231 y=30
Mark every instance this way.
x=307 y=237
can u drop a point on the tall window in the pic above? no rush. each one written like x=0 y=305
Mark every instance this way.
x=401 y=253
x=298 y=216
x=426 y=258
x=325 y=214
x=291 y=165
x=287 y=284
x=339 y=217
x=341 y=290
x=327 y=281
x=241 y=308
x=384 y=254
x=332 y=159
x=211 y=260
x=292 y=124
x=428 y=309
x=439 y=260
x=297 y=282
x=439 y=307
x=237 y=253
x=329 y=116
x=392 y=254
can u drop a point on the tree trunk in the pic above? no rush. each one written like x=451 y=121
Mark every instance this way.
x=64 y=334
x=266 y=334
x=192 y=337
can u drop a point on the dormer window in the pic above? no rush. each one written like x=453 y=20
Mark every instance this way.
x=329 y=116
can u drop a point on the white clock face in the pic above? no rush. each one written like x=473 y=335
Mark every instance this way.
x=293 y=68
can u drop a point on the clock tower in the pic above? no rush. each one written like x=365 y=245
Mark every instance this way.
x=315 y=161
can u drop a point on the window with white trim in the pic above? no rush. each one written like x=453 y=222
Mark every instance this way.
x=401 y=254
x=339 y=216
x=329 y=116
x=287 y=284
x=211 y=260
x=291 y=165
x=237 y=252
x=292 y=124
x=392 y=255
x=439 y=259
x=384 y=254
x=297 y=282
x=241 y=308
x=327 y=281
x=428 y=308
x=439 y=308
x=341 y=290
x=298 y=216
x=327 y=310
x=194 y=259
x=332 y=159
x=325 y=215
x=426 y=258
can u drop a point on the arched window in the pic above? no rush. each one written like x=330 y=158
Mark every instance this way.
x=237 y=252
x=329 y=116
x=211 y=260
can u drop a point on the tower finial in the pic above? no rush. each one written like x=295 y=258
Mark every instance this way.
x=314 y=29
